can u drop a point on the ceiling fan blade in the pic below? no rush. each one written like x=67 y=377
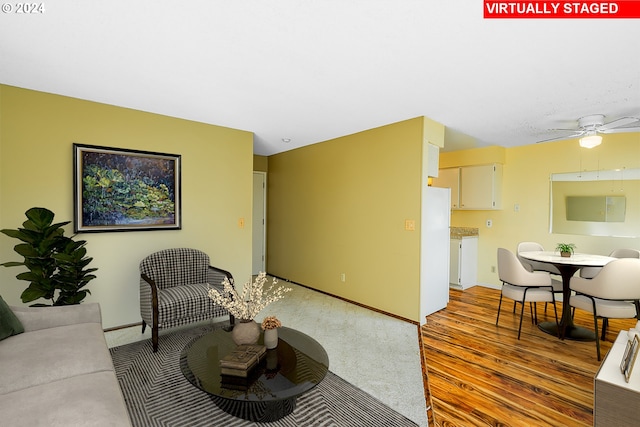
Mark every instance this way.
x=621 y=130
x=619 y=123
x=562 y=138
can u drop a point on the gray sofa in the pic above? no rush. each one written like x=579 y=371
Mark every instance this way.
x=59 y=371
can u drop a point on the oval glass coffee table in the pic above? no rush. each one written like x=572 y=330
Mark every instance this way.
x=294 y=367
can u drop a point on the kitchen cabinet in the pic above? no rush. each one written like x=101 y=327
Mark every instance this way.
x=463 y=264
x=449 y=178
x=477 y=187
x=481 y=187
x=616 y=402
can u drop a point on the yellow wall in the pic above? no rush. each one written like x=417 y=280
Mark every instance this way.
x=340 y=207
x=37 y=131
x=526 y=182
x=260 y=163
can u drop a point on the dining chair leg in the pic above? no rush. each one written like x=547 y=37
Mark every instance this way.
x=595 y=323
x=595 y=326
x=521 y=316
x=499 y=305
x=605 y=323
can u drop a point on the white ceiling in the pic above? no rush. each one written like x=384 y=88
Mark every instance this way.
x=312 y=70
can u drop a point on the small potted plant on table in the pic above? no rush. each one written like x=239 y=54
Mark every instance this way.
x=565 y=249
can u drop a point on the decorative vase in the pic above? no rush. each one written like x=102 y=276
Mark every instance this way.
x=565 y=254
x=245 y=332
x=271 y=338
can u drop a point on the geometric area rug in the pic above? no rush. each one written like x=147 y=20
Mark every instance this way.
x=157 y=394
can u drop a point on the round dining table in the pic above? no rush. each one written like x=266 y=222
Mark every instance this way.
x=567 y=266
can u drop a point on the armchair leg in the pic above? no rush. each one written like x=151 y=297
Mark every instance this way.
x=144 y=326
x=154 y=338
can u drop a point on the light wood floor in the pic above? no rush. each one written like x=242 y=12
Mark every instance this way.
x=479 y=374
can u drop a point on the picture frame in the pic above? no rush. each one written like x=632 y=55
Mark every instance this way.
x=629 y=358
x=119 y=189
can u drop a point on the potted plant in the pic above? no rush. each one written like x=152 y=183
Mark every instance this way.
x=56 y=263
x=565 y=249
x=246 y=305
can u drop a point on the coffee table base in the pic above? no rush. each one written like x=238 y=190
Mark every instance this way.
x=256 y=411
x=575 y=333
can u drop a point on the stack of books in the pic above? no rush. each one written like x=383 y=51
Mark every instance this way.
x=241 y=361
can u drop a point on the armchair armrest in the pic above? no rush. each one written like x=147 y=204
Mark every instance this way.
x=35 y=318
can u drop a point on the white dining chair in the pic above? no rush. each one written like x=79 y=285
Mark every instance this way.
x=590 y=272
x=612 y=294
x=531 y=265
x=523 y=286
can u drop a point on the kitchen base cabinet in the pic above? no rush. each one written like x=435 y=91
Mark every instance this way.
x=463 y=265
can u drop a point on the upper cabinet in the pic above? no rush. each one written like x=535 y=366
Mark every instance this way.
x=450 y=178
x=477 y=187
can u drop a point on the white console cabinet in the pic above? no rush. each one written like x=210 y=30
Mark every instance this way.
x=463 y=264
x=615 y=401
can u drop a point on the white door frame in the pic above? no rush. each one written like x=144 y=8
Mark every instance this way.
x=259 y=225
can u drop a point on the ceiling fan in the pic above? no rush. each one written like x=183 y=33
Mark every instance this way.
x=589 y=128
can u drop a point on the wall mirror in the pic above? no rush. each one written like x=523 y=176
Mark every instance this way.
x=596 y=203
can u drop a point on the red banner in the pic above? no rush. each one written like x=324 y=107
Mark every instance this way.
x=562 y=9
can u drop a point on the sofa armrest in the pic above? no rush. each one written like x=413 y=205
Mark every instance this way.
x=34 y=318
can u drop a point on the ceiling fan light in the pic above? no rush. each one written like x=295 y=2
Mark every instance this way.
x=590 y=141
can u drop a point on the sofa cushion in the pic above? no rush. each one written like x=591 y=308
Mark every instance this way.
x=47 y=355
x=91 y=400
x=9 y=323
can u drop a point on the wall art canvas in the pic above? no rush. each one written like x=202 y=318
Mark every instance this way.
x=125 y=190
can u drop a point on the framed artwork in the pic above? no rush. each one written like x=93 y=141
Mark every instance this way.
x=629 y=358
x=125 y=190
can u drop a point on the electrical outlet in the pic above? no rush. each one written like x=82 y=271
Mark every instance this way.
x=493 y=268
x=343 y=277
x=489 y=223
x=409 y=225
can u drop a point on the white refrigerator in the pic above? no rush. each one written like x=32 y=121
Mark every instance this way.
x=434 y=250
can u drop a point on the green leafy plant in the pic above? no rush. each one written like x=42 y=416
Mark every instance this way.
x=56 y=264
x=565 y=247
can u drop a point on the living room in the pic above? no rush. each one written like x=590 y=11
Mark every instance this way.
x=217 y=169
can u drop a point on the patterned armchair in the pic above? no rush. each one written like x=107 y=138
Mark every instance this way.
x=173 y=289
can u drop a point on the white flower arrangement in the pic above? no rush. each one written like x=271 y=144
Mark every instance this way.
x=253 y=299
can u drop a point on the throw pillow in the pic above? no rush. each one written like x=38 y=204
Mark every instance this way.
x=9 y=323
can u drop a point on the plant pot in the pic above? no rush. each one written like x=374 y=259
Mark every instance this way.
x=271 y=338
x=565 y=254
x=245 y=332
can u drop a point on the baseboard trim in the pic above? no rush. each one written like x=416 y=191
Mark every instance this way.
x=130 y=325
x=395 y=316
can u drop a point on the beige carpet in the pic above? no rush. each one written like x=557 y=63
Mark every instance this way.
x=376 y=353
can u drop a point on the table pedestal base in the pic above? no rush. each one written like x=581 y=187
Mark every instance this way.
x=256 y=411
x=575 y=333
